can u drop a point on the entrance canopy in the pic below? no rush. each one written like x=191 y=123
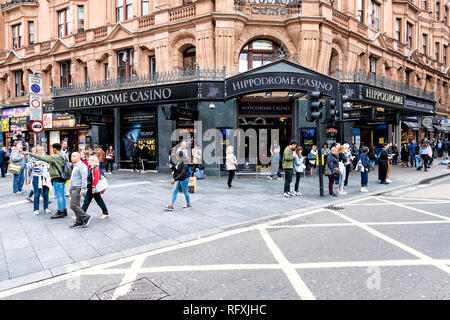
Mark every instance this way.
x=412 y=125
x=281 y=75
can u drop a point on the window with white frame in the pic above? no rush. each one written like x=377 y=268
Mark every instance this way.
x=145 y=7
x=17 y=36
x=424 y=43
x=65 y=77
x=63 y=22
x=375 y=15
x=124 y=10
x=398 y=27
x=30 y=33
x=437 y=11
x=19 y=87
x=80 y=18
x=372 y=64
x=409 y=34
x=360 y=11
x=152 y=66
x=125 y=64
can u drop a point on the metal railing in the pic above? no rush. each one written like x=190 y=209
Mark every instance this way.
x=141 y=81
x=382 y=82
x=16 y=2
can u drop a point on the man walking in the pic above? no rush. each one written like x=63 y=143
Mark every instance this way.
x=288 y=166
x=78 y=187
x=57 y=162
x=136 y=157
x=412 y=153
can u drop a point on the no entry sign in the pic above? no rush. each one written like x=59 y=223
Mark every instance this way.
x=37 y=126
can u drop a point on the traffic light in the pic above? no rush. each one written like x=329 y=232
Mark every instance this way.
x=330 y=110
x=340 y=115
x=314 y=106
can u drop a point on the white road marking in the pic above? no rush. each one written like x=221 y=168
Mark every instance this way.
x=7 y=205
x=394 y=242
x=312 y=225
x=131 y=275
x=418 y=210
x=387 y=204
x=413 y=199
x=292 y=274
x=132 y=184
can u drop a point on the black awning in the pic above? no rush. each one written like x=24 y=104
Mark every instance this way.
x=412 y=125
x=429 y=128
x=439 y=128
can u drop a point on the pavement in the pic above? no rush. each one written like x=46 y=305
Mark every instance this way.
x=380 y=247
x=33 y=248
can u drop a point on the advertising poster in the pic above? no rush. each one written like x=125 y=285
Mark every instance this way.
x=47 y=120
x=145 y=137
x=16 y=112
x=129 y=137
x=5 y=125
x=18 y=124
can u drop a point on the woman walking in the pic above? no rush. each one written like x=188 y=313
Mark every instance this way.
x=372 y=156
x=180 y=179
x=332 y=170
x=94 y=176
x=404 y=155
x=275 y=164
x=109 y=158
x=231 y=163
x=342 y=161
x=348 y=163
x=312 y=160
x=364 y=158
x=40 y=180
x=17 y=168
x=383 y=164
x=298 y=168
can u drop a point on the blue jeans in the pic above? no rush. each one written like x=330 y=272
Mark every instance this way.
x=184 y=187
x=18 y=182
x=372 y=163
x=37 y=194
x=59 y=188
x=364 y=179
x=419 y=161
x=412 y=160
x=342 y=180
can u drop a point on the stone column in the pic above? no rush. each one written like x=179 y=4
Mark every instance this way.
x=323 y=59
x=308 y=48
x=204 y=45
x=162 y=55
x=224 y=48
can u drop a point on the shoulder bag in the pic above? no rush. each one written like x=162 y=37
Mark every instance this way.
x=102 y=185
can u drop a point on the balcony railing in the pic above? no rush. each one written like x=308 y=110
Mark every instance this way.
x=141 y=81
x=45 y=45
x=181 y=13
x=17 y=2
x=382 y=82
x=80 y=37
x=146 y=22
x=100 y=32
x=340 y=18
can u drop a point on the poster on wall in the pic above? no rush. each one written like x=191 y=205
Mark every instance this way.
x=82 y=134
x=16 y=112
x=47 y=120
x=5 y=125
x=144 y=137
x=54 y=138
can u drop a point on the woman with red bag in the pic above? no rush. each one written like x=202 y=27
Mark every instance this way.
x=94 y=176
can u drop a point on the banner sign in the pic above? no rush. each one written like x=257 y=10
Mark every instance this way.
x=129 y=97
x=5 y=125
x=16 y=112
x=18 y=124
x=47 y=120
x=419 y=105
x=265 y=109
x=383 y=96
x=286 y=81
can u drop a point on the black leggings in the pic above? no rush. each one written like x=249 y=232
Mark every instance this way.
x=108 y=164
x=297 y=180
x=230 y=176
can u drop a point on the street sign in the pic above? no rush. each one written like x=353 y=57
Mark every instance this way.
x=35 y=107
x=37 y=126
x=34 y=84
x=35 y=91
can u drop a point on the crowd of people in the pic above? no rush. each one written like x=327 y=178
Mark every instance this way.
x=79 y=175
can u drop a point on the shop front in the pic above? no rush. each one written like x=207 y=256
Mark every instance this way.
x=410 y=129
x=15 y=123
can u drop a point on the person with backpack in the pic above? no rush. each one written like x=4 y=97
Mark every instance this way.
x=60 y=171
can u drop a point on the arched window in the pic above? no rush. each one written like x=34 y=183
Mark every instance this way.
x=256 y=54
x=189 y=58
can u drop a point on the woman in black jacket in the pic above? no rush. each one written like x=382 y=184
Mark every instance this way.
x=332 y=169
x=383 y=165
x=180 y=179
x=404 y=154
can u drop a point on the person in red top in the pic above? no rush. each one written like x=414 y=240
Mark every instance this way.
x=94 y=175
x=83 y=159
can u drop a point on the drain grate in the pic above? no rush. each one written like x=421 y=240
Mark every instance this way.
x=141 y=289
x=335 y=208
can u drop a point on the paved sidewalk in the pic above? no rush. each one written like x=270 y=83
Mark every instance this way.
x=38 y=247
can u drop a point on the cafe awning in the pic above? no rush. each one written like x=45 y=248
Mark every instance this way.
x=412 y=125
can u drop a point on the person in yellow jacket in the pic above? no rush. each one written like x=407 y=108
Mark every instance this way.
x=288 y=166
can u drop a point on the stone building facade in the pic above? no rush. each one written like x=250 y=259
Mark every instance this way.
x=72 y=42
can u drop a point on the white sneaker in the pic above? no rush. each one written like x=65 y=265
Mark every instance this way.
x=287 y=195
x=48 y=211
x=298 y=193
x=269 y=178
x=293 y=194
x=388 y=180
x=36 y=212
x=364 y=190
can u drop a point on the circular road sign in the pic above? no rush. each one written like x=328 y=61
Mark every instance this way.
x=37 y=126
x=35 y=103
x=35 y=88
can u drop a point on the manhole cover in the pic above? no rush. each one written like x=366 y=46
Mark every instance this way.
x=142 y=289
x=334 y=208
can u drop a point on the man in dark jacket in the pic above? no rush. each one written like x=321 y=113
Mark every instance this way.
x=136 y=157
x=3 y=160
x=333 y=169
